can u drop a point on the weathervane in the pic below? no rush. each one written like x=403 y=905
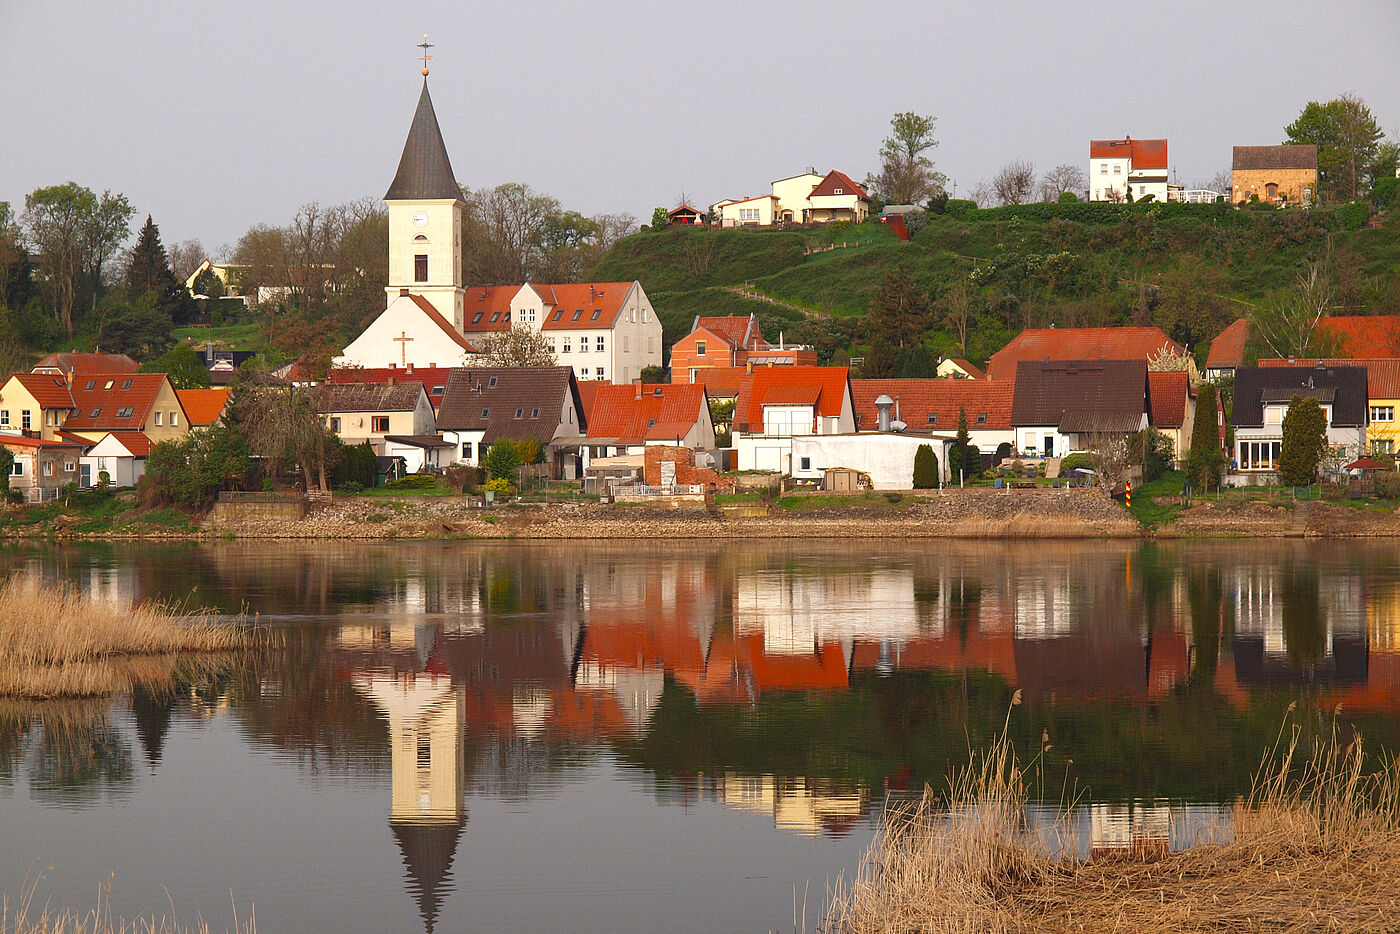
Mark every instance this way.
x=425 y=45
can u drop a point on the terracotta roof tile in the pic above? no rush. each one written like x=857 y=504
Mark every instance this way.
x=487 y=307
x=721 y=382
x=830 y=381
x=1364 y=335
x=934 y=404
x=1143 y=153
x=656 y=412
x=51 y=392
x=583 y=304
x=98 y=408
x=737 y=330
x=1227 y=350
x=134 y=441
x=203 y=406
x=1166 y=397
x=1079 y=344
x=86 y=364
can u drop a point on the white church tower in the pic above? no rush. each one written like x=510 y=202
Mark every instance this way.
x=425 y=218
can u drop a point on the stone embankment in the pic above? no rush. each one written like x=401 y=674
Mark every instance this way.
x=950 y=514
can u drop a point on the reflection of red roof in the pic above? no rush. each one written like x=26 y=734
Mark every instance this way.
x=1079 y=344
x=995 y=652
x=1142 y=153
x=51 y=392
x=837 y=184
x=1382 y=375
x=633 y=414
x=1227 y=350
x=943 y=399
x=830 y=383
x=823 y=669
x=1166 y=398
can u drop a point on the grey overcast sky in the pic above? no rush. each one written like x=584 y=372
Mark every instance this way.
x=215 y=117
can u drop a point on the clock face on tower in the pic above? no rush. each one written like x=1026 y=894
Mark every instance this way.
x=420 y=219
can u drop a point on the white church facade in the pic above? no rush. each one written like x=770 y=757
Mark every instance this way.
x=605 y=331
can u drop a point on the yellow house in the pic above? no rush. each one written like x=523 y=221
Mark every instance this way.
x=36 y=405
x=747 y=212
x=808 y=198
x=359 y=412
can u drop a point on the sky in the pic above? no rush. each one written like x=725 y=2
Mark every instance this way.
x=214 y=118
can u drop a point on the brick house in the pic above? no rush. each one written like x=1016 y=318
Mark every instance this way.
x=731 y=341
x=1274 y=174
x=41 y=468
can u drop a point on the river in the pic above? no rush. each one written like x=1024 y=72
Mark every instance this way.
x=695 y=736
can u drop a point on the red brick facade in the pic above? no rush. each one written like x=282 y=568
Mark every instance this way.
x=686 y=471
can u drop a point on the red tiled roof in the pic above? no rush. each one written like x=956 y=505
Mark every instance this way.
x=433 y=378
x=1227 y=350
x=1142 y=153
x=1079 y=344
x=1364 y=335
x=111 y=393
x=721 y=382
x=1166 y=398
x=943 y=399
x=203 y=406
x=792 y=395
x=829 y=381
x=661 y=412
x=732 y=328
x=134 y=441
x=51 y=392
x=88 y=364
x=826 y=188
x=487 y=307
x=27 y=442
x=582 y=304
x=968 y=367
x=587 y=392
x=1382 y=374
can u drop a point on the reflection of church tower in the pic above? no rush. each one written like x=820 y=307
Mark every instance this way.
x=152 y=711
x=425 y=218
x=426 y=717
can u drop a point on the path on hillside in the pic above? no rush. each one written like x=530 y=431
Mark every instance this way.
x=759 y=296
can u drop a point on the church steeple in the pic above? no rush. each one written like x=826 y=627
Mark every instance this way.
x=425 y=172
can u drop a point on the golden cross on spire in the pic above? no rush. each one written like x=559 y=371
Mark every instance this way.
x=425 y=45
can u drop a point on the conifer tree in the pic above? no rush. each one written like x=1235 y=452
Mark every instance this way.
x=149 y=269
x=1304 y=442
x=925 y=468
x=1205 y=461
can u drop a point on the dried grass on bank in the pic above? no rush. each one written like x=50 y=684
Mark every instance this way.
x=1316 y=847
x=56 y=642
x=23 y=916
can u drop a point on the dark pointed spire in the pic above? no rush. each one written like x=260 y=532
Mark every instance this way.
x=425 y=172
x=427 y=855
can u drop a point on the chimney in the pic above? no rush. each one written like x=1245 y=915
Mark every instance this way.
x=882 y=407
x=389 y=381
x=208 y=353
x=637 y=385
x=403 y=293
x=70 y=379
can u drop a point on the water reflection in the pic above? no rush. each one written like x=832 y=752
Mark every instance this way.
x=802 y=684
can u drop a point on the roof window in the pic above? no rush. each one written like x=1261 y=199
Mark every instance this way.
x=91 y=383
x=651 y=423
x=535 y=412
x=495 y=316
x=559 y=315
x=520 y=412
x=578 y=314
x=981 y=418
x=438 y=390
x=126 y=384
x=596 y=313
x=96 y=412
x=492 y=383
x=933 y=418
x=485 y=413
x=109 y=384
x=656 y=392
x=125 y=412
x=476 y=319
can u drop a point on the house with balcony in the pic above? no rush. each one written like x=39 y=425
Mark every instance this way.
x=807 y=198
x=1262 y=396
x=625 y=420
x=777 y=403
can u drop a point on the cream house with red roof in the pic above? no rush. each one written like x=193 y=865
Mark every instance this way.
x=52 y=408
x=625 y=420
x=777 y=403
x=1122 y=167
x=807 y=198
x=121 y=455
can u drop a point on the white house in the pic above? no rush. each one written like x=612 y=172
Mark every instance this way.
x=1062 y=406
x=807 y=198
x=777 y=403
x=937 y=405
x=1262 y=397
x=887 y=458
x=120 y=454
x=1122 y=167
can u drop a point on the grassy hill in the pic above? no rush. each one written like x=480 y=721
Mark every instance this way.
x=1191 y=269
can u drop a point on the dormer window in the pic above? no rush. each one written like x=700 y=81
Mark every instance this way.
x=476 y=319
x=651 y=423
x=485 y=413
x=578 y=314
x=981 y=418
x=520 y=413
x=933 y=419
x=838 y=191
x=96 y=412
x=492 y=383
x=126 y=384
x=535 y=412
x=596 y=313
x=125 y=412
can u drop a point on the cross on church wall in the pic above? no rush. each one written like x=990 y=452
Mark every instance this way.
x=402 y=340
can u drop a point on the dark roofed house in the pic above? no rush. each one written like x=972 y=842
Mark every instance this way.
x=1274 y=173
x=1262 y=396
x=483 y=405
x=1063 y=406
x=360 y=412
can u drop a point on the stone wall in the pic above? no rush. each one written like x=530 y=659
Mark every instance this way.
x=686 y=471
x=1291 y=184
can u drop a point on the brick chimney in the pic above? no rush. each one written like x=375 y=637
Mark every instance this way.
x=637 y=385
x=403 y=293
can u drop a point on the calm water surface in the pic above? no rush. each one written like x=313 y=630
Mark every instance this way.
x=698 y=737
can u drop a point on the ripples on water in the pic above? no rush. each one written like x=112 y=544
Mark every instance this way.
x=593 y=737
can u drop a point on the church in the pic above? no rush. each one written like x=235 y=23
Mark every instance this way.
x=605 y=331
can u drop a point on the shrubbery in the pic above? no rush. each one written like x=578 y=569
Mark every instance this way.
x=415 y=481
x=925 y=468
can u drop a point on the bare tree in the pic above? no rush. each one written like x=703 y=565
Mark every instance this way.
x=1015 y=182
x=185 y=257
x=1108 y=453
x=519 y=345
x=284 y=425
x=958 y=313
x=1061 y=179
x=1285 y=322
x=983 y=194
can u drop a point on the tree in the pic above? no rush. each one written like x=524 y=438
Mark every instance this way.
x=925 y=468
x=185 y=258
x=1151 y=452
x=7 y=463
x=1061 y=180
x=140 y=328
x=183 y=365
x=519 y=345
x=1205 y=460
x=189 y=471
x=283 y=424
x=958 y=313
x=1346 y=136
x=148 y=268
x=104 y=231
x=1304 y=442
x=959 y=460
x=360 y=465
x=907 y=175
x=660 y=217
x=1108 y=453
x=1015 y=182
x=13 y=258
x=1285 y=322
x=502 y=460
x=74 y=233
x=900 y=312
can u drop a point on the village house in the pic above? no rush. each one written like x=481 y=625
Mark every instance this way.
x=1127 y=169
x=1274 y=174
x=41 y=468
x=1058 y=344
x=935 y=405
x=776 y=403
x=433 y=378
x=1262 y=396
x=1382 y=392
x=359 y=412
x=684 y=216
x=625 y=420
x=85 y=409
x=119 y=455
x=1171 y=400
x=958 y=368
x=1350 y=337
x=807 y=198
x=1227 y=350
x=1059 y=407
x=729 y=342
x=483 y=405
x=81 y=363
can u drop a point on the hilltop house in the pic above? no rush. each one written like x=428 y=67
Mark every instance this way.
x=1127 y=169
x=1262 y=395
x=776 y=403
x=731 y=341
x=1059 y=407
x=1060 y=344
x=1274 y=174
x=807 y=198
x=483 y=405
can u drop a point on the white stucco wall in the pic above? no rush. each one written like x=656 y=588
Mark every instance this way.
x=426 y=344
x=441 y=242
x=888 y=459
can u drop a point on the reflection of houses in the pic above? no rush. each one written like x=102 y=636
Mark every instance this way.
x=1133 y=828
x=1291 y=627
x=801 y=805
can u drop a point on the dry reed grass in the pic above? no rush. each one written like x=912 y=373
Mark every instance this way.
x=1316 y=847
x=25 y=917
x=56 y=642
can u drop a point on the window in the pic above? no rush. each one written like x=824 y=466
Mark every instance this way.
x=379 y=423
x=583 y=345
x=109 y=385
x=70 y=466
x=559 y=315
x=694 y=373
x=467 y=451
x=1382 y=446
x=583 y=373
x=158 y=416
x=125 y=412
x=335 y=425
x=126 y=384
x=476 y=318
x=1117 y=170
x=1382 y=413
x=838 y=191
x=651 y=423
x=1103 y=168
x=981 y=418
x=492 y=383
x=535 y=412
x=485 y=413
x=96 y=412
x=598 y=343
x=4 y=418
x=24 y=420
x=520 y=413
x=600 y=373
x=578 y=314
x=48 y=468
x=91 y=383
x=552 y=348
x=1259 y=455
x=596 y=313
x=420 y=268
x=933 y=418
x=699 y=348
x=495 y=316
x=568 y=344
x=17 y=469
x=807 y=461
